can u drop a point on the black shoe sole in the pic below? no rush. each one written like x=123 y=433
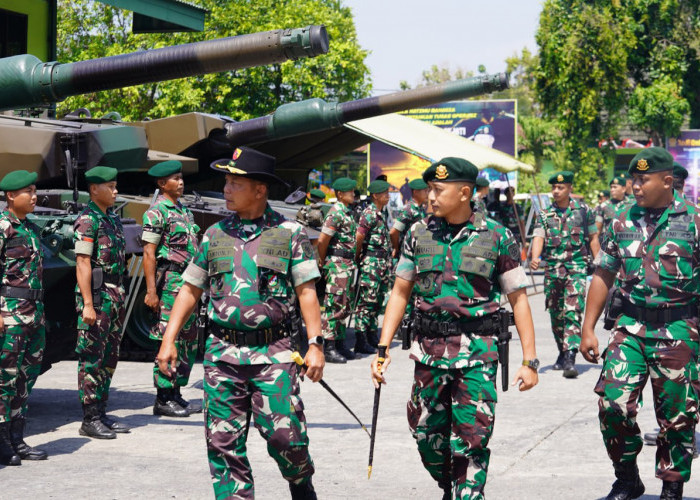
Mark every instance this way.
x=95 y=436
x=34 y=458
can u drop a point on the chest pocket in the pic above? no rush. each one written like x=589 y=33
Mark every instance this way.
x=631 y=245
x=553 y=233
x=273 y=260
x=430 y=262
x=18 y=248
x=218 y=269
x=477 y=262
x=676 y=255
x=179 y=236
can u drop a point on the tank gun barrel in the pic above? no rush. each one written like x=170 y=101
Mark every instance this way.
x=26 y=81
x=314 y=115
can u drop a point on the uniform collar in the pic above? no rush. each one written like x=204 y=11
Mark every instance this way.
x=14 y=220
x=677 y=206
x=93 y=206
x=166 y=201
x=476 y=222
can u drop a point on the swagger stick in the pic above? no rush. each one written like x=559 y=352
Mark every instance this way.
x=381 y=356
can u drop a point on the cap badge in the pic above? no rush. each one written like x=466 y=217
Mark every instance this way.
x=560 y=178
x=642 y=165
x=441 y=172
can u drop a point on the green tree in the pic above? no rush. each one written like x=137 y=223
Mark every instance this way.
x=88 y=30
x=438 y=74
x=658 y=109
x=537 y=138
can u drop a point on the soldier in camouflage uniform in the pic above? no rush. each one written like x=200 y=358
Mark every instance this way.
x=252 y=264
x=100 y=296
x=655 y=248
x=680 y=174
x=312 y=215
x=412 y=212
x=336 y=254
x=606 y=211
x=373 y=248
x=22 y=334
x=170 y=242
x=458 y=263
x=508 y=216
x=562 y=236
x=481 y=195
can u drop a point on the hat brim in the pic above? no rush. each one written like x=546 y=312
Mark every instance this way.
x=222 y=166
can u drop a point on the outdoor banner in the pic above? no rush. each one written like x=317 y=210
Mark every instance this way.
x=491 y=123
x=686 y=151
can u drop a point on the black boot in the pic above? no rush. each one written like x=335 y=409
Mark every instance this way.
x=25 y=451
x=672 y=490
x=304 y=491
x=189 y=407
x=373 y=339
x=361 y=345
x=8 y=455
x=93 y=426
x=650 y=438
x=558 y=363
x=628 y=485
x=117 y=427
x=332 y=355
x=166 y=405
x=344 y=351
x=569 y=364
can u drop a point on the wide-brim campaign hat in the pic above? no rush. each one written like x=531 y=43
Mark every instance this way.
x=250 y=163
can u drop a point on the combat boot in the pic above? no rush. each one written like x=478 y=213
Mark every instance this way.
x=332 y=354
x=558 y=363
x=188 y=406
x=303 y=491
x=373 y=339
x=166 y=405
x=117 y=427
x=8 y=455
x=361 y=345
x=344 y=351
x=24 y=451
x=92 y=425
x=672 y=490
x=569 y=364
x=628 y=485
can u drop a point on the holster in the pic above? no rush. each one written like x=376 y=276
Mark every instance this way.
x=505 y=320
x=294 y=326
x=406 y=330
x=613 y=309
x=96 y=285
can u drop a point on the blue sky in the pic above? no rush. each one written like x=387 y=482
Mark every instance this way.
x=406 y=37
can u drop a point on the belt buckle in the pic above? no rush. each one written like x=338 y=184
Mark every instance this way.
x=268 y=335
x=444 y=327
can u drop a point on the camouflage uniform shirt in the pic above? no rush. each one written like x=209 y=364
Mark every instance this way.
x=605 y=212
x=250 y=269
x=101 y=236
x=657 y=255
x=373 y=226
x=412 y=212
x=340 y=225
x=170 y=226
x=459 y=277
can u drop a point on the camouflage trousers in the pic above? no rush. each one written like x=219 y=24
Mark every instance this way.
x=20 y=363
x=269 y=394
x=566 y=298
x=671 y=365
x=451 y=415
x=98 y=346
x=338 y=298
x=375 y=280
x=186 y=342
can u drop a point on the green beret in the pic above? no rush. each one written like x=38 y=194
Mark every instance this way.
x=344 y=184
x=165 y=168
x=679 y=171
x=317 y=193
x=378 y=187
x=619 y=179
x=605 y=192
x=98 y=175
x=563 y=177
x=451 y=170
x=651 y=160
x=482 y=182
x=417 y=184
x=18 y=179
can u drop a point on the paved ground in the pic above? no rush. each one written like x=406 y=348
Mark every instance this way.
x=546 y=442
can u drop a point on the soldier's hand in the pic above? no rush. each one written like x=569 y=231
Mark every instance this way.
x=377 y=372
x=89 y=315
x=534 y=264
x=589 y=346
x=167 y=359
x=152 y=301
x=315 y=361
x=2 y=323
x=525 y=379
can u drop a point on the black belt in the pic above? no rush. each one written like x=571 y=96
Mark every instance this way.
x=176 y=267
x=262 y=336
x=377 y=253
x=343 y=254
x=484 y=326
x=16 y=292
x=113 y=279
x=659 y=314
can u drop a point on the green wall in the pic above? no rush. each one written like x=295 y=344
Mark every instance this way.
x=37 y=24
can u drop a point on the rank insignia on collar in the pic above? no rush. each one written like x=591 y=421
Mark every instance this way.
x=560 y=178
x=441 y=172
x=642 y=165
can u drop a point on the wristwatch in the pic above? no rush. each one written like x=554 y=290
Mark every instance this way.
x=318 y=340
x=532 y=363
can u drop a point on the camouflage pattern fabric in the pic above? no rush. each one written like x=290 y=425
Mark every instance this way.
x=480 y=205
x=631 y=360
x=22 y=339
x=506 y=215
x=268 y=396
x=412 y=212
x=101 y=236
x=566 y=299
x=458 y=273
x=605 y=212
x=338 y=271
x=171 y=227
x=375 y=270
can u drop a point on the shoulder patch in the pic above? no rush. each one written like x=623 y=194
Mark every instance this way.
x=513 y=249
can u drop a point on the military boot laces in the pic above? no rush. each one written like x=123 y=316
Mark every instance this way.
x=187 y=405
x=361 y=345
x=92 y=426
x=166 y=405
x=303 y=491
x=672 y=490
x=25 y=451
x=569 y=364
x=8 y=455
x=344 y=351
x=628 y=485
x=115 y=426
x=331 y=353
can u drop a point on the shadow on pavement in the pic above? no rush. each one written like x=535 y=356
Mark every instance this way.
x=64 y=446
